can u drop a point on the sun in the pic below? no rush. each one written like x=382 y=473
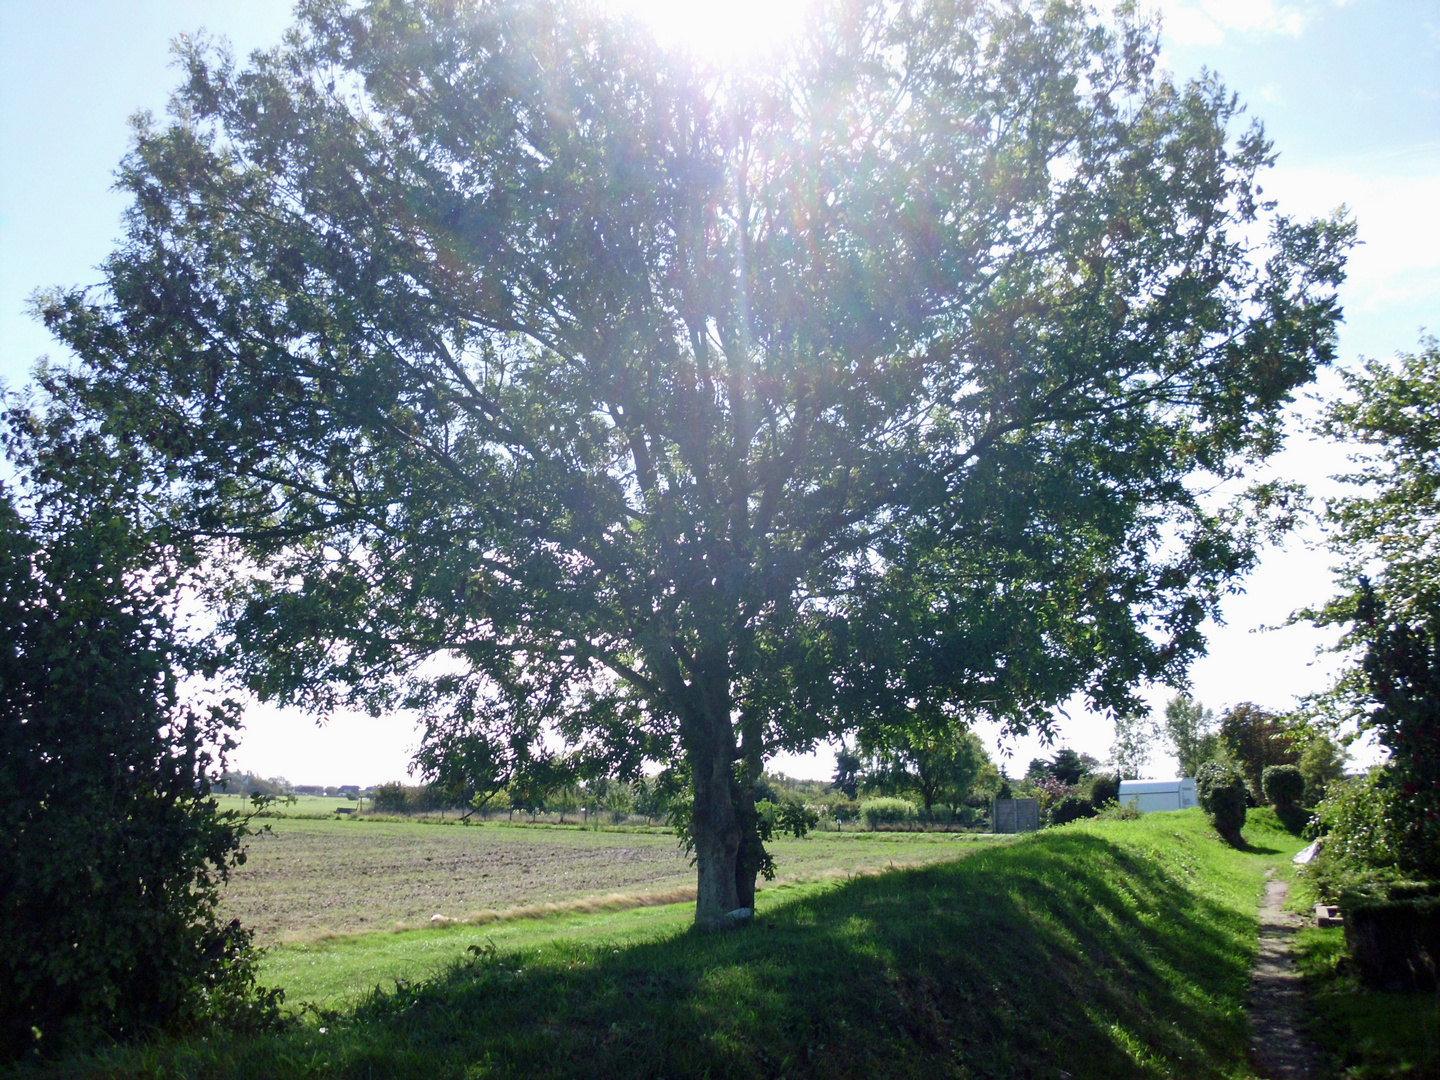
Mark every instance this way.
x=720 y=30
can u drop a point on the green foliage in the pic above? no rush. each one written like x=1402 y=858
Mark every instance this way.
x=1322 y=763
x=1283 y=785
x=233 y=783
x=398 y=798
x=1114 y=811
x=1222 y=795
x=113 y=853
x=796 y=818
x=1360 y=821
x=1284 y=789
x=1391 y=412
x=1071 y=808
x=389 y=798
x=539 y=375
x=1384 y=535
x=1105 y=788
x=937 y=766
x=1068 y=766
x=1402 y=672
x=1190 y=729
x=1254 y=739
x=849 y=770
x=877 y=812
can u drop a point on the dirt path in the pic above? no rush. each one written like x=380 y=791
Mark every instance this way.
x=1278 y=1045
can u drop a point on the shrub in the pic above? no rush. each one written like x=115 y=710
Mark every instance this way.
x=389 y=798
x=1359 y=821
x=1105 y=788
x=1071 y=808
x=797 y=819
x=1223 y=794
x=1284 y=788
x=877 y=812
x=1113 y=811
x=113 y=851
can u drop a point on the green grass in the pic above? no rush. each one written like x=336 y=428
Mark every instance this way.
x=1103 y=949
x=316 y=806
x=1367 y=1033
x=337 y=973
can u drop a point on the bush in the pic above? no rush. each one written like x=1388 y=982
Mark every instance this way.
x=398 y=798
x=843 y=810
x=877 y=812
x=113 y=851
x=1223 y=795
x=1071 y=808
x=1284 y=789
x=1359 y=821
x=389 y=798
x=1105 y=788
x=1113 y=811
x=797 y=819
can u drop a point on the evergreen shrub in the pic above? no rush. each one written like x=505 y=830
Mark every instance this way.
x=1104 y=788
x=1223 y=796
x=1284 y=789
x=1071 y=808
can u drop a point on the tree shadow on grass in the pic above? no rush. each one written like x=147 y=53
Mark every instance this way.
x=1066 y=953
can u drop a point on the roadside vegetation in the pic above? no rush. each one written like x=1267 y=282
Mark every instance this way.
x=1106 y=949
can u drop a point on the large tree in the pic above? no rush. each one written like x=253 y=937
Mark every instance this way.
x=546 y=380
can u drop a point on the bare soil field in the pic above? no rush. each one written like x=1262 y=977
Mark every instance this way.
x=308 y=878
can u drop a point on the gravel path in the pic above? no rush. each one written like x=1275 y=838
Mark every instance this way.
x=1278 y=1044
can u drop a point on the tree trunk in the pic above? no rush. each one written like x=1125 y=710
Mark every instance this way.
x=750 y=857
x=716 y=831
x=714 y=824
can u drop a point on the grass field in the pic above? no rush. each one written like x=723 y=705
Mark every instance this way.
x=1097 y=950
x=298 y=806
x=307 y=879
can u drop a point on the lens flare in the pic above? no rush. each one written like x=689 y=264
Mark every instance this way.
x=729 y=31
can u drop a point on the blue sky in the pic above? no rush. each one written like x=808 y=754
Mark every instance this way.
x=1349 y=92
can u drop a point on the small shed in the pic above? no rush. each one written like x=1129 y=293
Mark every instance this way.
x=1150 y=795
x=1016 y=815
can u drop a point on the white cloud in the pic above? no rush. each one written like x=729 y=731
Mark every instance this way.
x=1393 y=200
x=1205 y=22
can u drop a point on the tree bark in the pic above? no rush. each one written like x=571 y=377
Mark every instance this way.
x=749 y=858
x=715 y=828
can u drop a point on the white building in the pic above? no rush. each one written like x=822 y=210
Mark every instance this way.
x=1151 y=795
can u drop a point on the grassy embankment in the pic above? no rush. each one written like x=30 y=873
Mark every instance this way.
x=1104 y=949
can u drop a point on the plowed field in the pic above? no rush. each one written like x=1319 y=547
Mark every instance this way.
x=307 y=878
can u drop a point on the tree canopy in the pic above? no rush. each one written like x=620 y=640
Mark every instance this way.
x=1385 y=536
x=543 y=379
x=1190 y=729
